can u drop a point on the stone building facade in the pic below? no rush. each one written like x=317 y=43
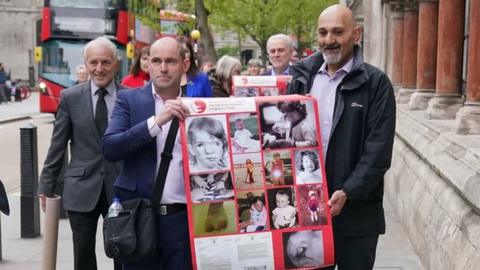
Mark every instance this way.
x=18 y=34
x=431 y=51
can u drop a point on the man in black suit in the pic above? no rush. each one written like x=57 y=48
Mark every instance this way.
x=82 y=118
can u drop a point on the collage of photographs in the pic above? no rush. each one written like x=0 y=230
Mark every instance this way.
x=260 y=172
x=254 y=86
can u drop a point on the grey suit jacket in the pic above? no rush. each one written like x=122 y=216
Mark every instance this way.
x=87 y=171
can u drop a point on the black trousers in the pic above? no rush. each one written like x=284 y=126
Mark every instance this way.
x=84 y=231
x=354 y=252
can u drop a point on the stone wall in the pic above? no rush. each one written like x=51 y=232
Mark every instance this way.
x=434 y=187
x=18 y=34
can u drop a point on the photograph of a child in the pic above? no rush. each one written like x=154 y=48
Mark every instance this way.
x=211 y=187
x=239 y=91
x=281 y=202
x=287 y=124
x=278 y=167
x=244 y=130
x=214 y=218
x=252 y=212
x=247 y=171
x=311 y=205
x=307 y=167
x=207 y=143
x=303 y=249
x=269 y=91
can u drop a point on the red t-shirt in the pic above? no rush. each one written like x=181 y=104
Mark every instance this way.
x=136 y=81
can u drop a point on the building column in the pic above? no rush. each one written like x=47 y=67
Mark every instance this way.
x=410 y=44
x=468 y=117
x=448 y=99
x=397 y=25
x=427 y=55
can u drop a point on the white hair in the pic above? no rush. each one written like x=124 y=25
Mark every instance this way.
x=225 y=65
x=286 y=39
x=80 y=67
x=101 y=41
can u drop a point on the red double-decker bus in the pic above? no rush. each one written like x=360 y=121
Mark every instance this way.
x=67 y=25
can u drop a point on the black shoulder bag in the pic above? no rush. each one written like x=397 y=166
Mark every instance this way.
x=132 y=234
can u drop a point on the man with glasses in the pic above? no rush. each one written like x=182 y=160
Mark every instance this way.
x=136 y=135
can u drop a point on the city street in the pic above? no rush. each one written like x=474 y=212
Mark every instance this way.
x=394 y=250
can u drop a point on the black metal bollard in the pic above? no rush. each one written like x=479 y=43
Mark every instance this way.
x=29 y=205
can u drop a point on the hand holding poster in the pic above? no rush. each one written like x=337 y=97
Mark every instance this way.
x=256 y=187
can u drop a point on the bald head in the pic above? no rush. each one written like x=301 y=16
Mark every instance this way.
x=338 y=13
x=337 y=35
x=167 y=64
x=168 y=42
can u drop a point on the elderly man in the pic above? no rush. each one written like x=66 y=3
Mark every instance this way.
x=81 y=73
x=280 y=50
x=137 y=134
x=82 y=118
x=357 y=119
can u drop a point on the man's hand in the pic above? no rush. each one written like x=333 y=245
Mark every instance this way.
x=43 y=201
x=336 y=202
x=172 y=108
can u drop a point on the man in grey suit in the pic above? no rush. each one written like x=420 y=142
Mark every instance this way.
x=82 y=118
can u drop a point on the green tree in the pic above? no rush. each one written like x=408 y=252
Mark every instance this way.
x=259 y=19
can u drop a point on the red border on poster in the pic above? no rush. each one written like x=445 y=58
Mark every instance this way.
x=249 y=86
x=218 y=237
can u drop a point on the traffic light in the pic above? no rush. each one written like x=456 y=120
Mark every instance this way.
x=38 y=54
x=130 y=51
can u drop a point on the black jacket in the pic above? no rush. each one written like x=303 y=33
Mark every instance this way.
x=360 y=147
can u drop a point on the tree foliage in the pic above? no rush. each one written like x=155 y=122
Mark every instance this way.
x=259 y=19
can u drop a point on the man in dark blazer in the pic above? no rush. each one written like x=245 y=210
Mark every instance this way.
x=136 y=134
x=81 y=119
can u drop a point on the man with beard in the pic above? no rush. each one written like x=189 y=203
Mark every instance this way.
x=357 y=119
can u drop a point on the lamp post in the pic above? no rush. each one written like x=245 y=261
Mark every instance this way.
x=195 y=35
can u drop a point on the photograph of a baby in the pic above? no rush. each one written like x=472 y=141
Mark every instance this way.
x=252 y=211
x=207 y=144
x=287 y=124
x=247 y=171
x=281 y=204
x=307 y=166
x=244 y=129
x=210 y=187
x=303 y=249
x=278 y=168
x=311 y=205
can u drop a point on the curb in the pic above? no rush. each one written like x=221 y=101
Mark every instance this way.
x=13 y=119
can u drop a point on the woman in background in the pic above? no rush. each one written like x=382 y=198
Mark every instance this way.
x=138 y=76
x=194 y=82
x=221 y=76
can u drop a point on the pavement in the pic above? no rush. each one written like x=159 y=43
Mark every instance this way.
x=394 y=249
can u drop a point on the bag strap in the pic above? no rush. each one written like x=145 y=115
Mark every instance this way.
x=166 y=157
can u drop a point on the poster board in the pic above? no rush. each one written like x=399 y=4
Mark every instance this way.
x=255 y=184
x=252 y=86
